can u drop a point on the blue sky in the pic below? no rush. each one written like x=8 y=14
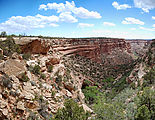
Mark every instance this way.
x=131 y=19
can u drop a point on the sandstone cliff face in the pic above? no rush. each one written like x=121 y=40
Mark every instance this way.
x=99 y=50
x=110 y=51
x=139 y=47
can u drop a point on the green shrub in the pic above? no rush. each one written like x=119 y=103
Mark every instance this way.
x=6 y=81
x=36 y=69
x=1 y=56
x=30 y=68
x=65 y=79
x=153 y=43
x=143 y=113
x=3 y=34
x=149 y=78
x=87 y=82
x=26 y=56
x=50 y=68
x=135 y=73
x=23 y=77
x=108 y=82
x=107 y=111
x=9 y=46
x=53 y=93
x=42 y=76
x=147 y=98
x=71 y=111
x=118 y=86
x=58 y=79
x=91 y=94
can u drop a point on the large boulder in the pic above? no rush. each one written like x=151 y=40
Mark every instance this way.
x=20 y=105
x=13 y=67
x=86 y=108
x=69 y=86
x=32 y=104
x=53 y=61
x=5 y=111
x=3 y=104
x=31 y=63
x=27 y=95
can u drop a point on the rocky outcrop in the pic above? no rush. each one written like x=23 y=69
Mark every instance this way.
x=37 y=97
x=13 y=67
x=36 y=47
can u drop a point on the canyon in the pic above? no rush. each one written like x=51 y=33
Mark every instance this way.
x=95 y=58
x=35 y=82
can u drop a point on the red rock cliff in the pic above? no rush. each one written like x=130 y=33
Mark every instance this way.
x=99 y=50
x=36 y=47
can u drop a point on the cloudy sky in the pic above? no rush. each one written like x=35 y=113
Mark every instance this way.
x=79 y=18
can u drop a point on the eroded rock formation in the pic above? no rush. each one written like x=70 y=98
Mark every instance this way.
x=36 y=47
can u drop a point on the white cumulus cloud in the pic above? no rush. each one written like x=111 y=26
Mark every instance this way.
x=120 y=7
x=108 y=24
x=153 y=25
x=71 y=7
x=42 y=6
x=67 y=17
x=82 y=25
x=84 y=13
x=53 y=25
x=60 y=7
x=133 y=29
x=153 y=17
x=130 y=20
x=47 y=19
x=145 y=5
x=147 y=29
x=20 y=23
